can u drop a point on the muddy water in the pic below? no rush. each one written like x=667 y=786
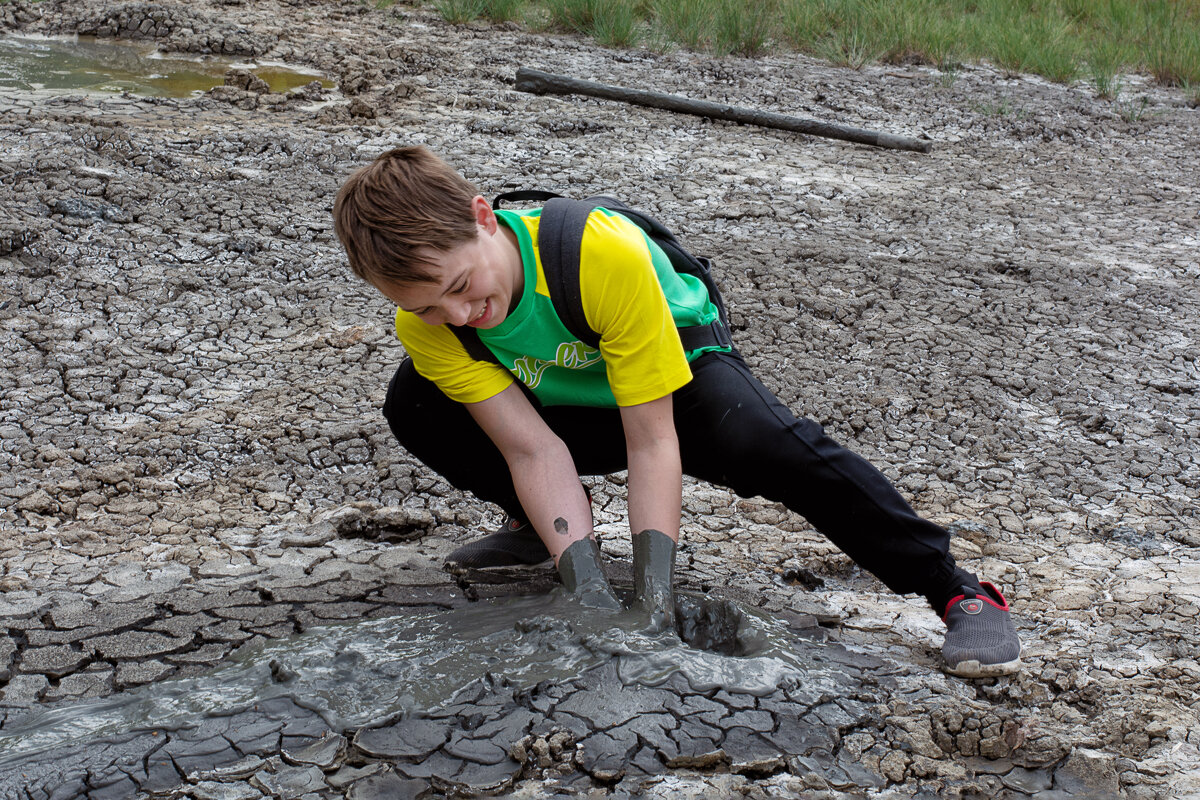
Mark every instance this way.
x=103 y=66
x=364 y=671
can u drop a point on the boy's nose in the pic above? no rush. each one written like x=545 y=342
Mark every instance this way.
x=458 y=314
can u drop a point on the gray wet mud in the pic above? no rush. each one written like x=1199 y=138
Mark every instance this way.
x=454 y=697
x=194 y=461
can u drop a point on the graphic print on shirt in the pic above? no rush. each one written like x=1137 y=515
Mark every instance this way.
x=570 y=355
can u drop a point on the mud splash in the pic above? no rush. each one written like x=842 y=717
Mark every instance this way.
x=363 y=672
x=96 y=65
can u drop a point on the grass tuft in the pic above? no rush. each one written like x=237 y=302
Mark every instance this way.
x=803 y=22
x=741 y=29
x=458 y=12
x=572 y=15
x=1105 y=64
x=852 y=49
x=616 y=24
x=503 y=10
x=684 y=21
x=1134 y=110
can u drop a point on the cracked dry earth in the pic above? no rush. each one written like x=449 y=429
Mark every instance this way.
x=194 y=461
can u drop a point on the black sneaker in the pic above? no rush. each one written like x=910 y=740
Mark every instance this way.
x=981 y=640
x=516 y=543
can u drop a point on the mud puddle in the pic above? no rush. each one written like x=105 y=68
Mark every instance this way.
x=362 y=672
x=97 y=65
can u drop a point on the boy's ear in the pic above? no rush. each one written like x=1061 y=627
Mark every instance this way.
x=484 y=216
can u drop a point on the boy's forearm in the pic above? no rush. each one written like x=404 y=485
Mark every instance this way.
x=542 y=469
x=551 y=494
x=655 y=490
x=655 y=476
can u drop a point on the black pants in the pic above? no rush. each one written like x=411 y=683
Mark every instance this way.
x=732 y=432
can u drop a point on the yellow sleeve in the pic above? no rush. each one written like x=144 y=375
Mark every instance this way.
x=439 y=356
x=622 y=299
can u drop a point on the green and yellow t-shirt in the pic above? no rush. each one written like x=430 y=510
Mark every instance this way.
x=631 y=295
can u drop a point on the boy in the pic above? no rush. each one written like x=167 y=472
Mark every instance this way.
x=424 y=237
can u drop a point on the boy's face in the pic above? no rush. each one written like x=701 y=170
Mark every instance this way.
x=475 y=283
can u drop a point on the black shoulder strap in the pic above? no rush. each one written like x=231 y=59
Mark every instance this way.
x=474 y=346
x=560 y=237
x=523 y=196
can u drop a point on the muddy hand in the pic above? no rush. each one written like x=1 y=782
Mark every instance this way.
x=583 y=577
x=654 y=577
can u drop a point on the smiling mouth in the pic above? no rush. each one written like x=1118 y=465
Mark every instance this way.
x=478 y=317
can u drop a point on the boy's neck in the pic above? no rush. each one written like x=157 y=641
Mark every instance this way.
x=512 y=253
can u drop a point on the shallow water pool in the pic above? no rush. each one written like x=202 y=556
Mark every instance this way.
x=98 y=65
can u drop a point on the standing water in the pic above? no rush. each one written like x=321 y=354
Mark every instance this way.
x=96 y=65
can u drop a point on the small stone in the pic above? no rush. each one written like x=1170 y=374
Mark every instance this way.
x=519 y=750
x=38 y=502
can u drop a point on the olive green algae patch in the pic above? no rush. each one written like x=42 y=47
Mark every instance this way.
x=96 y=65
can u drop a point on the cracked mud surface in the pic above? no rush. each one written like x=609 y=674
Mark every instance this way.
x=194 y=458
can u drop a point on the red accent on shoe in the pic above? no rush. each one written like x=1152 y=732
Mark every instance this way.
x=988 y=588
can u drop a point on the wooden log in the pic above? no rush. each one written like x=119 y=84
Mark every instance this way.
x=538 y=82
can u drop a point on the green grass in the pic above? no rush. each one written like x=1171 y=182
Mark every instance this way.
x=503 y=10
x=1134 y=110
x=1063 y=40
x=686 y=22
x=460 y=11
x=743 y=28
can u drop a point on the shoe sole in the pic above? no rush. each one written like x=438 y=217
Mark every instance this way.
x=973 y=669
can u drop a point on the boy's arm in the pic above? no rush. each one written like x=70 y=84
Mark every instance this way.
x=655 y=476
x=542 y=469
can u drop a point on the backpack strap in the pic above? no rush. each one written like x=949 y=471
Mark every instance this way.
x=523 y=196
x=560 y=237
x=474 y=346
